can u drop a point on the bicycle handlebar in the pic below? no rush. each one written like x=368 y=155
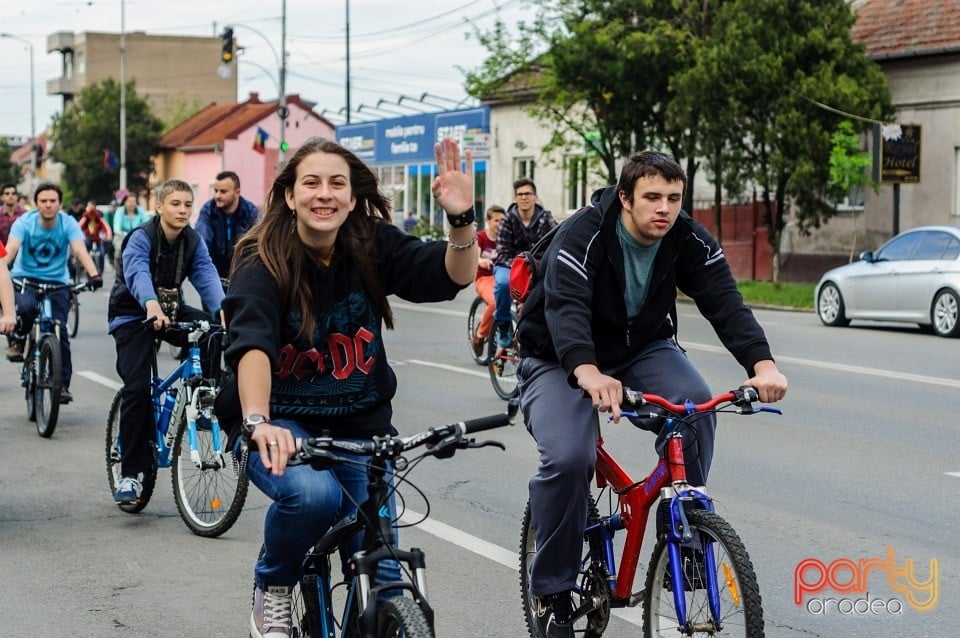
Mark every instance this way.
x=743 y=398
x=44 y=287
x=442 y=441
x=204 y=326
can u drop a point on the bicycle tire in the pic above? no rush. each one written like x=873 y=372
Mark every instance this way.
x=591 y=584
x=73 y=314
x=28 y=379
x=113 y=461
x=502 y=366
x=209 y=499
x=473 y=322
x=49 y=383
x=400 y=617
x=740 y=603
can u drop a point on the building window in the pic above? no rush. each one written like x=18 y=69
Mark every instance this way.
x=81 y=62
x=576 y=181
x=523 y=167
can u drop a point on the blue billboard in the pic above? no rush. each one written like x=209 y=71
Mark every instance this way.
x=409 y=139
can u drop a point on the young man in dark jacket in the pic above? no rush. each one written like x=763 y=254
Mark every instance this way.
x=224 y=219
x=601 y=315
x=154 y=261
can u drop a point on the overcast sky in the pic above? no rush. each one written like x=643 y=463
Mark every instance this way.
x=396 y=47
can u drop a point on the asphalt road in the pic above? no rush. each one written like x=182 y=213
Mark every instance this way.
x=863 y=462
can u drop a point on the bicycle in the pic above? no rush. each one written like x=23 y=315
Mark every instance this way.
x=209 y=485
x=502 y=362
x=694 y=545
x=41 y=375
x=362 y=614
x=73 y=313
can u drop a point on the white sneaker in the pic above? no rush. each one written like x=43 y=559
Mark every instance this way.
x=271 y=616
x=128 y=490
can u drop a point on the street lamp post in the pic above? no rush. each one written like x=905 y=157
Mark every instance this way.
x=123 y=97
x=33 y=110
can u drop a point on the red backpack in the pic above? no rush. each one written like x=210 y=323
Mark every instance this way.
x=525 y=268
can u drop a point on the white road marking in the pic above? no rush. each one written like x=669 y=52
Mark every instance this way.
x=957 y=474
x=99 y=378
x=488 y=550
x=449 y=368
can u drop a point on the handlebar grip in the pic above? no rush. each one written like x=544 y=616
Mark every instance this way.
x=750 y=394
x=494 y=421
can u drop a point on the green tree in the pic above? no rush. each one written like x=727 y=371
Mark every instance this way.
x=8 y=172
x=90 y=126
x=599 y=73
x=788 y=80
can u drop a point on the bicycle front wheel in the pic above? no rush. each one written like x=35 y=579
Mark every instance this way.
x=73 y=314
x=29 y=381
x=49 y=382
x=740 y=610
x=210 y=489
x=477 y=309
x=113 y=458
x=401 y=617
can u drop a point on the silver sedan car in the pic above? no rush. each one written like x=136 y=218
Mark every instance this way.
x=914 y=277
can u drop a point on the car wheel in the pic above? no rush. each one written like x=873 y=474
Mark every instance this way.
x=944 y=314
x=830 y=306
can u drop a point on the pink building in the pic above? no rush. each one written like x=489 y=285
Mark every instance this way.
x=222 y=137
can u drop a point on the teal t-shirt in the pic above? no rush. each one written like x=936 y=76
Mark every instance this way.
x=637 y=266
x=43 y=253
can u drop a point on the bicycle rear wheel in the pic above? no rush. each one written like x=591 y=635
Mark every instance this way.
x=401 y=617
x=73 y=314
x=502 y=365
x=477 y=309
x=49 y=382
x=113 y=461
x=209 y=492
x=741 y=612
x=591 y=587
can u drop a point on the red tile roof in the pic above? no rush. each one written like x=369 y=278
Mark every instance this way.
x=215 y=123
x=908 y=28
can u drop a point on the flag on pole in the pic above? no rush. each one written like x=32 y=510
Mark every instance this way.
x=260 y=141
x=110 y=161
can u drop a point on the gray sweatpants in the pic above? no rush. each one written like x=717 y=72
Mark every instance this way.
x=563 y=423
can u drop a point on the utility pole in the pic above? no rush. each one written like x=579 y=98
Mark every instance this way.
x=283 y=110
x=123 y=97
x=348 y=61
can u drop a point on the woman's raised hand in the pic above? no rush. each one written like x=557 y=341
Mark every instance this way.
x=453 y=186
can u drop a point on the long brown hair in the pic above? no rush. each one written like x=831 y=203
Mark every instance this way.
x=286 y=257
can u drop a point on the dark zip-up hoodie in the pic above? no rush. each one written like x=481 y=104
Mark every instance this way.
x=576 y=313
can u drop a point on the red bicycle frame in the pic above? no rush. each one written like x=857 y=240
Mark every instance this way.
x=636 y=498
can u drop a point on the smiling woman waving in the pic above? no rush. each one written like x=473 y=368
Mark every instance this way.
x=306 y=310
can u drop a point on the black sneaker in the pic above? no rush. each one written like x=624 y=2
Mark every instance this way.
x=554 y=615
x=65 y=396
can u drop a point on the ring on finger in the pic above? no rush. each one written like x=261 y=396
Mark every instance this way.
x=273 y=443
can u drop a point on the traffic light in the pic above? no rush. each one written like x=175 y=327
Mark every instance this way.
x=227 y=45
x=284 y=146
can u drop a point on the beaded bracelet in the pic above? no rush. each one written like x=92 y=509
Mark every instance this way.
x=456 y=246
x=463 y=219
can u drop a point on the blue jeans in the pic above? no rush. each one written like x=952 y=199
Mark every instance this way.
x=306 y=503
x=27 y=311
x=501 y=294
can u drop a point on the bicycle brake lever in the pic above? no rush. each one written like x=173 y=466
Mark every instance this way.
x=474 y=445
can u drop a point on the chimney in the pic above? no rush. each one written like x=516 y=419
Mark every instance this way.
x=254 y=98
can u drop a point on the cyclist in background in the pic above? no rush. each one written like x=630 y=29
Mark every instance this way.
x=151 y=267
x=128 y=216
x=602 y=314
x=39 y=245
x=224 y=219
x=487 y=240
x=306 y=311
x=96 y=231
x=9 y=210
x=524 y=224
